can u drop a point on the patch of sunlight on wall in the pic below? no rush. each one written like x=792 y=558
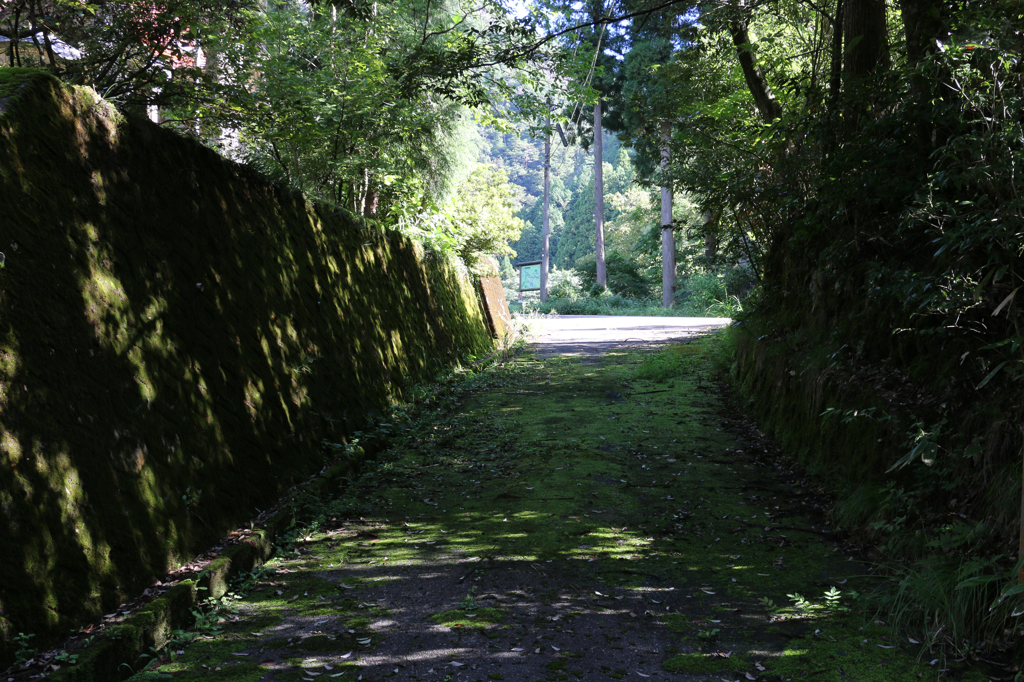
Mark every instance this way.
x=202 y=404
x=106 y=305
x=65 y=481
x=397 y=354
x=145 y=383
x=105 y=123
x=9 y=362
x=10 y=445
x=254 y=397
x=299 y=393
x=8 y=368
x=98 y=190
x=332 y=265
x=289 y=330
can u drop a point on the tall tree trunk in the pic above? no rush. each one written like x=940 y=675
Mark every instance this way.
x=602 y=274
x=924 y=22
x=865 y=36
x=865 y=52
x=668 y=239
x=835 y=73
x=767 y=106
x=15 y=39
x=835 y=81
x=546 y=225
x=710 y=238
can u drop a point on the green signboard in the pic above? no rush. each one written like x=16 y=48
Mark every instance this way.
x=529 y=276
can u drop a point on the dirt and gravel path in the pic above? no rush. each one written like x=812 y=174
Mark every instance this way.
x=566 y=515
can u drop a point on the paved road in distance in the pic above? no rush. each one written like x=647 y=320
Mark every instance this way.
x=590 y=334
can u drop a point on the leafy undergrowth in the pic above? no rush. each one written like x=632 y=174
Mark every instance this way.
x=570 y=518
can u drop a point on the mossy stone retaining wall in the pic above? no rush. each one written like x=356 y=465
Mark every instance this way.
x=177 y=337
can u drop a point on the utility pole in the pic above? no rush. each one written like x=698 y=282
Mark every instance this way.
x=602 y=275
x=668 y=238
x=546 y=228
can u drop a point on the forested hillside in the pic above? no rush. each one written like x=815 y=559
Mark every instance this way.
x=572 y=191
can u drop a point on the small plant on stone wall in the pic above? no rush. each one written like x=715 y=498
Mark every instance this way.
x=305 y=365
x=191 y=497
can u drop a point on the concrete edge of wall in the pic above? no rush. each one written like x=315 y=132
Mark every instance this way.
x=113 y=654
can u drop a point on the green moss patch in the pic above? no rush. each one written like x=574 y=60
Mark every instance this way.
x=833 y=653
x=460 y=618
x=699 y=663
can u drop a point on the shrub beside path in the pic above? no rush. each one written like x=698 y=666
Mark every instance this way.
x=596 y=515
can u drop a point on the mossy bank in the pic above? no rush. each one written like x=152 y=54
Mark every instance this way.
x=178 y=336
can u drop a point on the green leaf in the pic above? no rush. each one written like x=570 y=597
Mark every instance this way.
x=993 y=373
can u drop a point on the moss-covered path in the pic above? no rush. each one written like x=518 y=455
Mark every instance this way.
x=566 y=518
